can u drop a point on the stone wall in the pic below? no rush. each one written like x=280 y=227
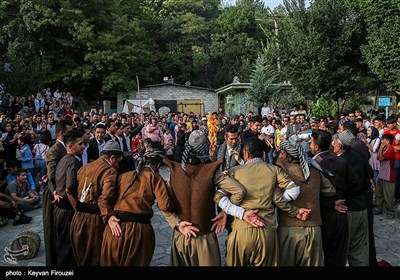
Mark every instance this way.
x=174 y=92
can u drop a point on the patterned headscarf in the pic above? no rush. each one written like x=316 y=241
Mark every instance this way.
x=294 y=148
x=150 y=153
x=198 y=146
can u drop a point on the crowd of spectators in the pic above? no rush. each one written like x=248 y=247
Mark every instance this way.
x=29 y=129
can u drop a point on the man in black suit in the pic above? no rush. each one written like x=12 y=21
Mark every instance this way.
x=333 y=210
x=96 y=144
x=53 y=156
x=230 y=151
x=357 y=214
x=111 y=130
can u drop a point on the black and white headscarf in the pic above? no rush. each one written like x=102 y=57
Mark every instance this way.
x=198 y=146
x=150 y=153
x=294 y=148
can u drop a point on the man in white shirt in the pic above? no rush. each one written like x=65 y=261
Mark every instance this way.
x=269 y=131
x=294 y=111
x=57 y=94
x=265 y=110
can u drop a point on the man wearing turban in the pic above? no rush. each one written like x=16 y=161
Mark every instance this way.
x=300 y=242
x=193 y=182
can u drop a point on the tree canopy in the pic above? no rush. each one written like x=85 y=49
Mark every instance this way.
x=330 y=48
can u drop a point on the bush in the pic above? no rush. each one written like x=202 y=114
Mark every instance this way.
x=324 y=108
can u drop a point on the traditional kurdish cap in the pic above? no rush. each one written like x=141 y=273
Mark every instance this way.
x=112 y=146
x=347 y=138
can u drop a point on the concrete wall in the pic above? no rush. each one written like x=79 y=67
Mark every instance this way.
x=174 y=92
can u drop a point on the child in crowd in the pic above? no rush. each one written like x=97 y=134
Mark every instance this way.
x=384 y=191
x=136 y=147
x=169 y=149
x=40 y=150
x=146 y=144
x=167 y=136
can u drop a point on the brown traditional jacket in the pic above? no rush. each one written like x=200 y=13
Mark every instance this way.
x=102 y=179
x=138 y=198
x=194 y=191
x=309 y=196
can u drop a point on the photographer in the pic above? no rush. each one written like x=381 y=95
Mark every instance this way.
x=255 y=131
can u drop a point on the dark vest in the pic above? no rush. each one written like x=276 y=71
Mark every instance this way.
x=308 y=198
x=194 y=191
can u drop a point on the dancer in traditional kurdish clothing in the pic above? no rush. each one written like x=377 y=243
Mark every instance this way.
x=130 y=241
x=193 y=182
x=300 y=242
x=266 y=185
x=93 y=202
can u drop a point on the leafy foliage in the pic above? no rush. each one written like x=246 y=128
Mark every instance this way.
x=330 y=48
x=325 y=107
x=263 y=83
x=353 y=102
x=320 y=48
x=382 y=49
x=185 y=39
x=237 y=41
x=288 y=98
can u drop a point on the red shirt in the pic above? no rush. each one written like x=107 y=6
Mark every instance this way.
x=394 y=133
x=386 y=171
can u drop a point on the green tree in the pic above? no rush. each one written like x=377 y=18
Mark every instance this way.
x=320 y=49
x=19 y=44
x=354 y=102
x=325 y=107
x=184 y=41
x=122 y=47
x=83 y=46
x=382 y=49
x=263 y=83
x=289 y=98
x=237 y=41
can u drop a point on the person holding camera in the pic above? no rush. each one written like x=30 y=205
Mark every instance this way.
x=255 y=132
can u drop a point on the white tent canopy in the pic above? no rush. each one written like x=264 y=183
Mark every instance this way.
x=132 y=105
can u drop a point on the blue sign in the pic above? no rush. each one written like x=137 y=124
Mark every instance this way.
x=384 y=101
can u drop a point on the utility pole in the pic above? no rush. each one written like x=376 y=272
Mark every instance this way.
x=278 y=61
x=138 y=92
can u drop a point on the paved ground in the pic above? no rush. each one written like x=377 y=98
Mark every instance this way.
x=387 y=239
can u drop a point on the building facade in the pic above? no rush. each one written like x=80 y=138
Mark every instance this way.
x=175 y=97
